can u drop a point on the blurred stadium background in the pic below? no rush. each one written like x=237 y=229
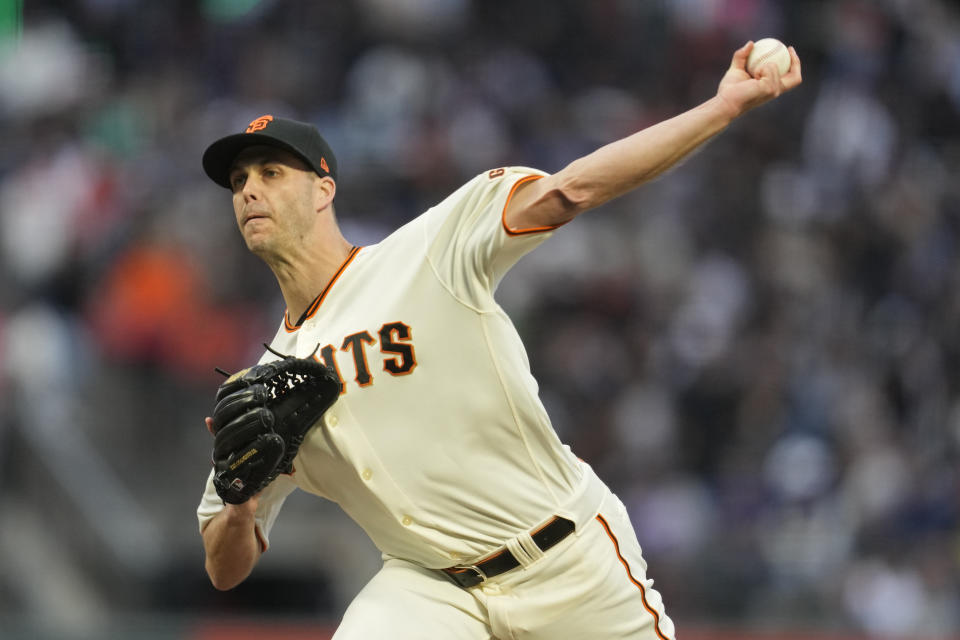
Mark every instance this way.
x=760 y=351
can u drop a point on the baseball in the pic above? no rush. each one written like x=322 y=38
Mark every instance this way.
x=765 y=51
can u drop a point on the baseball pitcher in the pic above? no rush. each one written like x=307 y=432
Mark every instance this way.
x=398 y=388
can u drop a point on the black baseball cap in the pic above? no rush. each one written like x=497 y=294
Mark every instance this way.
x=299 y=138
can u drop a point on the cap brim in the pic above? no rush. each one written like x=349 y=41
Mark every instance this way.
x=219 y=157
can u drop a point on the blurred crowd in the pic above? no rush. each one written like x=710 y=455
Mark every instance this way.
x=759 y=351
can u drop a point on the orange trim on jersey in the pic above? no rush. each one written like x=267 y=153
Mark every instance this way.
x=503 y=215
x=639 y=585
x=312 y=309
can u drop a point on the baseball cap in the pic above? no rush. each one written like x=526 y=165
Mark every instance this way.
x=299 y=138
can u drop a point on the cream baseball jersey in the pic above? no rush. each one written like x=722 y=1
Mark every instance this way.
x=438 y=447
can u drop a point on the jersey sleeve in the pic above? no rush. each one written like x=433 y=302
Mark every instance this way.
x=468 y=242
x=271 y=500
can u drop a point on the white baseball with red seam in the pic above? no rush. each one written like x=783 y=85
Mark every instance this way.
x=766 y=51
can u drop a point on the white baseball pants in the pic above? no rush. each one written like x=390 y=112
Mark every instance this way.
x=592 y=585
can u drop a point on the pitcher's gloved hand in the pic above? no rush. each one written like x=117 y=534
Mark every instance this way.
x=261 y=418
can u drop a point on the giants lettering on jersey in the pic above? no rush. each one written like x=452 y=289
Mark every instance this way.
x=396 y=353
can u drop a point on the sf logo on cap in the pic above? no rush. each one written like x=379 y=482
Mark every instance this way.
x=259 y=123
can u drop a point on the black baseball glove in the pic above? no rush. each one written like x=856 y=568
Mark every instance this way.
x=262 y=416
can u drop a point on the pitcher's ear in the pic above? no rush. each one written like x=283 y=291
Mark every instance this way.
x=325 y=190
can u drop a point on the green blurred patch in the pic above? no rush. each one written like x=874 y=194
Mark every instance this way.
x=11 y=20
x=227 y=9
x=118 y=128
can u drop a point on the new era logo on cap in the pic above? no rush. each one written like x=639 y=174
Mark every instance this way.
x=299 y=138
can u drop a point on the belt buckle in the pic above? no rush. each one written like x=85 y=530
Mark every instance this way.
x=469 y=576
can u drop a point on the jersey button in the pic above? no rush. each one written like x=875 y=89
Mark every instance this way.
x=332 y=420
x=367 y=474
x=407 y=521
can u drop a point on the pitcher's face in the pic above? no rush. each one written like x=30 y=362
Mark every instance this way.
x=273 y=198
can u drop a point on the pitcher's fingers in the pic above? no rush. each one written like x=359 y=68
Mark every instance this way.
x=739 y=60
x=794 y=76
x=769 y=77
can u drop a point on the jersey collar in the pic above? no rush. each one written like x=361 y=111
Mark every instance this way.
x=312 y=308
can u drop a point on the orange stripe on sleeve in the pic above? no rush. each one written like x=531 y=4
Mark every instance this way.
x=503 y=215
x=639 y=585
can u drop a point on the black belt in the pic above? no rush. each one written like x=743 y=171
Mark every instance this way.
x=545 y=537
